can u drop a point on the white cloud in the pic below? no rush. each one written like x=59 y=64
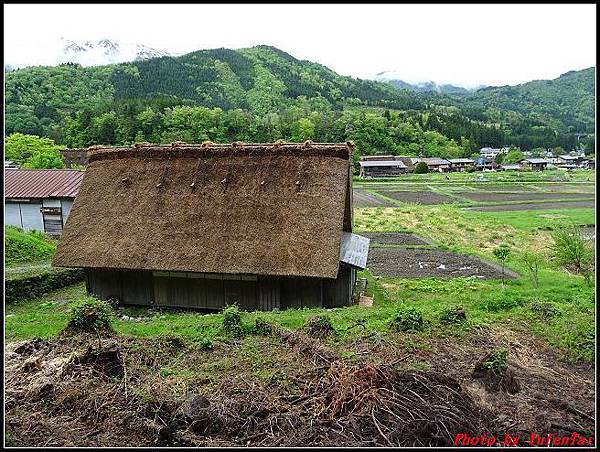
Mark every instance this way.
x=461 y=44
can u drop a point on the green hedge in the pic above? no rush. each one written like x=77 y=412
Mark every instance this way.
x=34 y=286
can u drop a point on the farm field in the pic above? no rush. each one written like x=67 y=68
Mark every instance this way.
x=259 y=394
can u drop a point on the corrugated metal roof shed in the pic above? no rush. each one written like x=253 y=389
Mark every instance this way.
x=461 y=161
x=535 y=160
x=354 y=250
x=430 y=161
x=394 y=163
x=42 y=183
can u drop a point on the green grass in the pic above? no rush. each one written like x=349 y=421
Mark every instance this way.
x=21 y=246
x=496 y=177
x=535 y=219
x=570 y=328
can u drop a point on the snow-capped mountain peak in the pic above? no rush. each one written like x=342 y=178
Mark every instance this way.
x=89 y=53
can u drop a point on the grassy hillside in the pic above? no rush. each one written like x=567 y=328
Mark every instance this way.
x=21 y=246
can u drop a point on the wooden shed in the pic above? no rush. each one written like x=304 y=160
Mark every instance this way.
x=202 y=226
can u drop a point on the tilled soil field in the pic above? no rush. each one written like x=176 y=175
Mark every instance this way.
x=421 y=197
x=554 y=205
x=531 y=196
x=426 y=263
x=361 y=198
x=394 y=238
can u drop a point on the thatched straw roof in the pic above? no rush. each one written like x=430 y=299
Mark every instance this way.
x=266 y=209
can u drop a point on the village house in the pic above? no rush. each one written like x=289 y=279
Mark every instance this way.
x=486 y=164
x=381 y=166
x=492 y=153
x=536 y=164
x=74 y=157
x=461 y=165
x=40 y=199
x=433 y=164
x=264 y=226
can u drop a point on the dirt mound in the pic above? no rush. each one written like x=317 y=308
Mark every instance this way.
x=85 y=392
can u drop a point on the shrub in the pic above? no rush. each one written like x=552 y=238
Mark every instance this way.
x=232 y=321
x=497 y=361
x=502 y=253
x=571 y=251
x=453 y=315
x=532 y=262
x=544 y=309
x=421 y=168
x=90 y=314
x=206 y=344
x=262 y=327
x=319 y=326
x=407 y=319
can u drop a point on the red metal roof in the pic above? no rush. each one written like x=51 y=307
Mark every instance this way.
x=42 y=183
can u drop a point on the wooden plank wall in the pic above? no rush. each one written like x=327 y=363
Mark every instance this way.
x=213 y=292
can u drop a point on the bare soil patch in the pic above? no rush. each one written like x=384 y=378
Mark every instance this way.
x=421 y=197
x=324 y=402
x=361 y=198
x=554 y=205
x=426 y=263
x=395 y=238
x=554 y=395
x=496 y=197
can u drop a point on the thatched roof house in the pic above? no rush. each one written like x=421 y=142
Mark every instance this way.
x=163 y=218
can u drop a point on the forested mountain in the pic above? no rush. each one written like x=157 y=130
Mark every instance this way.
x=264 y=94
x=422 y=87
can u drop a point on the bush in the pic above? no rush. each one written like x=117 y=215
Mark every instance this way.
x=571 y=251
x=533 y=262
x=206 y=344
x=232 y=321
x=453 y=315
x=421 y=168
x=319 y=326
x=23 y=246
x=497 y=361
x=89 y=315
x=545 y=309
x=407 y=319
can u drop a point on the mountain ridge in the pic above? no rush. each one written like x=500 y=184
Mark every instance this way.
x=264 y=80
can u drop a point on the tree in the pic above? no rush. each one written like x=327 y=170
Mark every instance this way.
x=421 y=168
x=32 y=151
x=502 y=253
x=514 y=156
x=532 y=262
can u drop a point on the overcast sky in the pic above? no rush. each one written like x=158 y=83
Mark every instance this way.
x=461 y=44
